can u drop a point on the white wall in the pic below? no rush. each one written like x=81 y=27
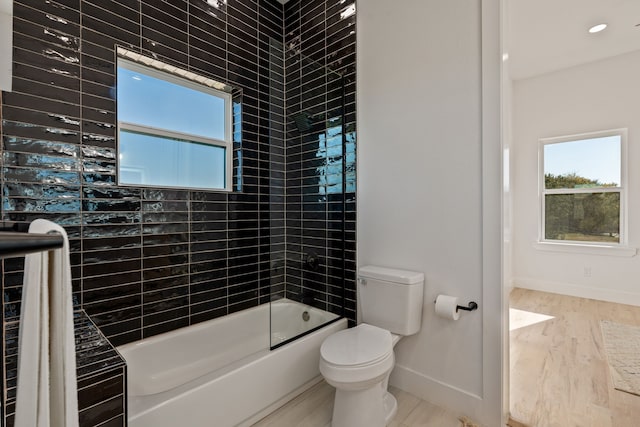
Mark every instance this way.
x=6 y=43
x=423 y=200
x=596 y=96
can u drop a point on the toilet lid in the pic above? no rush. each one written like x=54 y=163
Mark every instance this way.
x=362 y=345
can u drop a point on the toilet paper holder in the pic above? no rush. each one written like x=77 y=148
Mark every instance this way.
x=470 y=307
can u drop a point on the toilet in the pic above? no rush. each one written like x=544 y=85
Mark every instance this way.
x=358 y=361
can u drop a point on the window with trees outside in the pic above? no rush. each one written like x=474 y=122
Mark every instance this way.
x=583 y=188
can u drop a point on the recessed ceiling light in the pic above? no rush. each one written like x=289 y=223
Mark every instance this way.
x=597 y=28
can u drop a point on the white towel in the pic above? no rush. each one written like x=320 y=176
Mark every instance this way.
x=47 y=393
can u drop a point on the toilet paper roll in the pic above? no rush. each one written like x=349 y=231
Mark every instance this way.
x=447 y=307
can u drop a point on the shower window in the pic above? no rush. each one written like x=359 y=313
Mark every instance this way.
x=173 y=131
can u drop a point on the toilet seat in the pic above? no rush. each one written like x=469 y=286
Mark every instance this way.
x=357 y=347
x=358 y=357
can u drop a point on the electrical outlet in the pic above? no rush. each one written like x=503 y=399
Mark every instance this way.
x=587 y=272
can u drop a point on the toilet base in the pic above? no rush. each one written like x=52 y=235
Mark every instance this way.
x=374 y=407
x=390 y=405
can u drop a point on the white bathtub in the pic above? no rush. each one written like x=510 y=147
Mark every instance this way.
x=221 y=372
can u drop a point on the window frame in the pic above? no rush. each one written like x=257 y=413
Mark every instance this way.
x=171 y=74
x=621 y=189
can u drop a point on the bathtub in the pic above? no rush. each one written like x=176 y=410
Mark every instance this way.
x=222 y=372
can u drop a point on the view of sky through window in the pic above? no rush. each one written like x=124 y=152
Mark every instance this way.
x=595 y=159
x=149 y=101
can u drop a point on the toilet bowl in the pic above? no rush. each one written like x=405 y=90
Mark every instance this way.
x=358 y=361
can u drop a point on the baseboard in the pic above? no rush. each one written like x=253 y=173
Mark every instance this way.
x=610 y=295
x=437 y=392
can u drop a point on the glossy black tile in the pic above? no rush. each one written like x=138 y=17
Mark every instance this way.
x=240 y=26
x=100 y=369
x=165 y=250
x=107 y=280
x=89 y=380
x=206 y=48
x=118 y=21
x=107 y=268
x=152 y=286
x=163 y=272
x=100 y=391
x=120 y=304
x=205 y=264
x=163 y=219
x=120 y=320
x=173 y=52
x=165 y=261
x=121 y=254
x=165 y=327
x=169 y=18
x=164 y=194
x=165 y=305
x=49 y=14
x=96 y=415
x=207 y=23
x=161 y=240
x=120 y=323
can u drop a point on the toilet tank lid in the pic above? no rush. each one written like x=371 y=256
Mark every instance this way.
x=404 y=277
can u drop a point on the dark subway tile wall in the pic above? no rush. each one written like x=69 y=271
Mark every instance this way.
x=100 y=369
x=320 y=153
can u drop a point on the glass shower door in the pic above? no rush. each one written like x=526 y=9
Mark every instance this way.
x=307 y=209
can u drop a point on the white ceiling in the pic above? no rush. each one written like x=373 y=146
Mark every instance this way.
x=549 y=35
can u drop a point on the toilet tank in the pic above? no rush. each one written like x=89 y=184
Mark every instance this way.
x=391 y=299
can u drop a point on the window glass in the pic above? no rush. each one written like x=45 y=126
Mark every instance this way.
x=157 y=103
x=585 y=217
x=172 y=130
x=583 y=163
x=154 y=160
x=583 y=190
